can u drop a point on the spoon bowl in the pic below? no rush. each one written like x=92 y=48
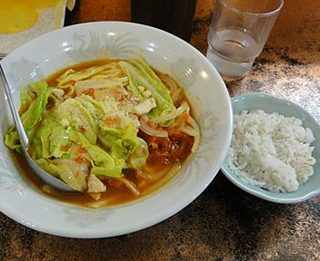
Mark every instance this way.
x=43 y=175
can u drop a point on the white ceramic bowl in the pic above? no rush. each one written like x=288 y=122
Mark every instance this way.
x=270 y=104
x=74 y=44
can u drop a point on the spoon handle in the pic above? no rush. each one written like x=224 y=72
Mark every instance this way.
x=15 y=114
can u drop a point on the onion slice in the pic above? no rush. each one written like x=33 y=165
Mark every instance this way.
x=152 y=131
x=131 y=186
x=172 y=115
x=196 y=128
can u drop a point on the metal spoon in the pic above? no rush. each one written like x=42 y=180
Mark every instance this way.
x=45 y=176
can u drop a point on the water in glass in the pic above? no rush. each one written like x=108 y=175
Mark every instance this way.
x=232 y=52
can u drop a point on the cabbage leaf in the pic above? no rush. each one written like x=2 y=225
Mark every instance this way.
x=140 y=72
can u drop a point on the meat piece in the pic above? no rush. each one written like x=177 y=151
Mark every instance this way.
x=95 y=185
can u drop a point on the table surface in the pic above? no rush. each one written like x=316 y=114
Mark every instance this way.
x=223 y=223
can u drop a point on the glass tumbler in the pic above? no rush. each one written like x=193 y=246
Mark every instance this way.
x=238 y=32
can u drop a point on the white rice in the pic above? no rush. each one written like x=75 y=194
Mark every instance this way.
x=271 y=151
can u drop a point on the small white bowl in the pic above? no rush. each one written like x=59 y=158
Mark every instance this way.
x=270 y=104
x=74 y=44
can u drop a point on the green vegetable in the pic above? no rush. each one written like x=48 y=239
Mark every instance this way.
x=49 y=137
x=48 y=166
x=139 y=154
x=115 y=172
x=140 y=72
x=27 y=96
x=124 y=144
x=105 y=165
x=12 y=139
x=79 y=118
x=33 y=115
x=59 y=139
x=98 y=155
x=96 y=109
x=37 y=102
x=133 y=83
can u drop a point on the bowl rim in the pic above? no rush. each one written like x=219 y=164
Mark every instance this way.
x=214 y=168
x=252 y=189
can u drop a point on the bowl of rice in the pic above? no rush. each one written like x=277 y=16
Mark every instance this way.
x=275 y=149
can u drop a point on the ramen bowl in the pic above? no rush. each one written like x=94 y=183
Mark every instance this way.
x=208 y=97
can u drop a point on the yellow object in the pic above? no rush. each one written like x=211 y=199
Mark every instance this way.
x=45 y=3
x=71 y=4
x=17 y=16
x=60 y=4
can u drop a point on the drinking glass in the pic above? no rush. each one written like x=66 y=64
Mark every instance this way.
x=238 y=32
